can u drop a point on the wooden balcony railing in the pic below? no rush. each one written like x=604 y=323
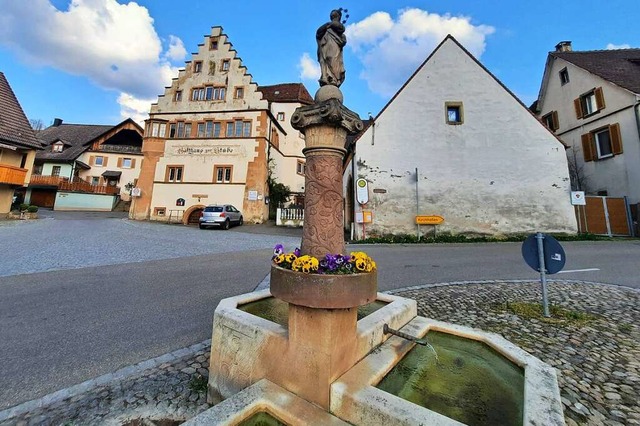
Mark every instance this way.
x=47 y=180
x=12 y=175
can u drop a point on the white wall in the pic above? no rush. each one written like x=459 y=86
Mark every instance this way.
x=499 y=172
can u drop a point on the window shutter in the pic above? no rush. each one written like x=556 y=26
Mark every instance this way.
x=133 y=163
x=554 y=118
x=105 y=160
x=616 y=140
x=92 y=160
x=119 y=162
x=587 y=147
x=578 y=107
x=599 y=98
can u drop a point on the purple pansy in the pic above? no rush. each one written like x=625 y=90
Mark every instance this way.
x=278 y=250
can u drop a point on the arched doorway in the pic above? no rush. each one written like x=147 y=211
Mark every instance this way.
x=192 y=215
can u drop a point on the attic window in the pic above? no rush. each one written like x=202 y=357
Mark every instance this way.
x=225 y=64
x=57 y=147
x=213 y=44
x=454 y=113
x=197 y=66
x=564 y=76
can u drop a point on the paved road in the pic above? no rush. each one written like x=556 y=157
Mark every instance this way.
x=152 y=288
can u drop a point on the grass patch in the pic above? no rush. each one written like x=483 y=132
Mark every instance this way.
x=462 y=238
x=535 y=311
x=198 y=384
x=625 y=328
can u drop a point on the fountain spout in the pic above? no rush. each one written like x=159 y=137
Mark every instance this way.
x=388 y=330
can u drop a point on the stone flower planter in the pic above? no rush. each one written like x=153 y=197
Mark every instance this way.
x=324 y=291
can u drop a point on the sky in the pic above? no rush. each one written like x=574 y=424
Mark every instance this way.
x=101 y=61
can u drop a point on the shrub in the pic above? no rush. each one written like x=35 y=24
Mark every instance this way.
x=23 y=207
x=32 y=209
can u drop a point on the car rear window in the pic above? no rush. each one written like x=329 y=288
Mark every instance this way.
x=214 y=209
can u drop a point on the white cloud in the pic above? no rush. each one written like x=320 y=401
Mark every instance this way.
x=390 y=50
x=114 y=45
x=176 y=51
x=309 y=68
x=137 y=109
x=612 y=46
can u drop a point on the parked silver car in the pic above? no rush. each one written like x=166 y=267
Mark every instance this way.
x=220 y=215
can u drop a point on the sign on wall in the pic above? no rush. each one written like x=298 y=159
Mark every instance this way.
x=364 y=216
x=180 y=202
x=252 y=196
x=362 y=191
x=136 y=192
x=577 y=198
x=197 y=150
x=429 y=220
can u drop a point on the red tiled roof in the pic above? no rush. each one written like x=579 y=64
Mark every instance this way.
x=14 y=126
x=619 y=66
x=286 y=92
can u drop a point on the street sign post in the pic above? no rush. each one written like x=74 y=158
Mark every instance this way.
x=544 y=254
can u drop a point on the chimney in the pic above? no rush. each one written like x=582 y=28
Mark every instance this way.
x=57 y=122
x=564 y=46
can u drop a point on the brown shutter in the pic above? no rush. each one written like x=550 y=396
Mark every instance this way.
x=133 y=163
x=92 y=160
x=554 y=118
x=119 y=162
x=599 y=98
x=105 y=161
x=588 y=147
x=616 y=140
x=578 y=107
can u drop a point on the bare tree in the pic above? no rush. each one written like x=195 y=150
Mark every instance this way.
x=36 y=124
x=579 y=181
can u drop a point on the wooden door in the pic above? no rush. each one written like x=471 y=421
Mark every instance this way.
x=43 y=198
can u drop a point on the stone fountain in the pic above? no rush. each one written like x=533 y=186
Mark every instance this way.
x=325 y=360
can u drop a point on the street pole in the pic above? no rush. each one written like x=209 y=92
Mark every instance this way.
x=417 y=205
x=543 y=273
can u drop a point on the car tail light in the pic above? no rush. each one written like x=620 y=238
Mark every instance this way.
x=221 y=214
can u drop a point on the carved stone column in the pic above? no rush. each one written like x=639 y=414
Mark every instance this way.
x=325 y=125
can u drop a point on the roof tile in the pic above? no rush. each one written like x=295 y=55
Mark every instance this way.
x=14 y=125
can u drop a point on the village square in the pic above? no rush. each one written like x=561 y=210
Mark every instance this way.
x=263 y=254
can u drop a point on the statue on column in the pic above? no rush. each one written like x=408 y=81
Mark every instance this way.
x=331 y=40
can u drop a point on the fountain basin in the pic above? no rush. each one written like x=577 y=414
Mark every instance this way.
x=246 y=348
x=356 y=398
x=264 y=399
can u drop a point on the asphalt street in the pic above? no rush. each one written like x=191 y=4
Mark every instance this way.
x=84 y=295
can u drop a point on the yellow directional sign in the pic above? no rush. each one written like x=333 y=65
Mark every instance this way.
x=429 y=220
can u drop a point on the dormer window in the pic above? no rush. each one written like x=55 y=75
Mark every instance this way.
x=57 y=147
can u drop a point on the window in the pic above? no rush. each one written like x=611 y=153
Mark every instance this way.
x=238 y=128
x=127 y=163
x=602 y=143
x=55 y=171
x=209 y=129
x=301 y=168
x=198 y=94
x=159 y=211
x=217 y=127
x=155 y=129
x=454 y=113
x=98 y=161
x=239 y=93
x=163 y=129
x=281 y=116
x=225 y=64
x=589 y=103
x=213 y=43
x=551 y=120
x=564 y=76
x=219 y=93
x=197 y=66
x=174 y=174
x=222 y=174
x=178 y=96
x=180 y=129
x=200 y=130
x=172 y=130
x=187 y=130
x=57 y=147
x=95 y=180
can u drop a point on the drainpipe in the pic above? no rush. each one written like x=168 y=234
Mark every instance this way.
x=637 y=111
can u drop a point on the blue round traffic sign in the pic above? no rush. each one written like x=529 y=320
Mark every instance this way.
x=554 y=257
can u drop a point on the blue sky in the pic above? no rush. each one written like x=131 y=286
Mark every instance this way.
x=97 y=61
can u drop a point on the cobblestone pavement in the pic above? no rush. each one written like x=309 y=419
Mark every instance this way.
x=598 y=359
